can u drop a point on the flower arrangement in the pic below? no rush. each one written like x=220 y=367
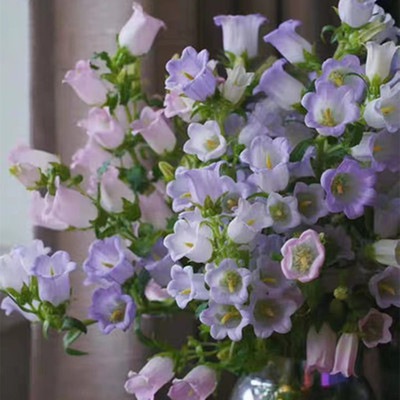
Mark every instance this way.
x=261 y=196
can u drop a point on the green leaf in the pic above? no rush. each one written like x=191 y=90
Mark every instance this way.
x=298 y=152
x=131 y=210
x=200 y=308
x=70 y=338
x=45 y=328
x=69 y=323
x=135 y=177
x=104 y=56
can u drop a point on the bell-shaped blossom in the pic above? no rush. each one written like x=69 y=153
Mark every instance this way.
x=228 y=283
x=154 y=292
x=151 y=378
x=303 y=257
x=52 y=273
x=321 y=347
x=240 y=33
x=109 y=261
x=205 y=141
x=330 y=109
x=269 y=313
x=374 y=328
x=346 y=355
x=279 y=86
x=225 y=320
x=349 y=188
x=355 y=12
x=387 y=252
x=288 y=42
x=303 y=168
x=27 y=163
x=267 y=245
x=27 y=254
x=342 y=73
x=388 y=28
x=191 y=240
x=283 y=211
x=311 y=202
x=386 y=216
x=86 y=83
x=385 y=287
x=103 y=127
x=198 y=384
x=249 y=220
x=138 y=34
x=185 y=285
x=9 y=306
x=112 y=309
x=379 y=60
x=236 y=83
x=155 y=130
x=12 y=273
x=191 y=74
x=176 y=103
x=384 y=147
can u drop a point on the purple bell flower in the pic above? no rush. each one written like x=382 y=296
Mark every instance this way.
x=385 y=287
x=386 y=216
x=384 y=148
x=374 y=328
x=283 y=211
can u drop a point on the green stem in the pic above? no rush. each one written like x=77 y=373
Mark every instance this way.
x=128 y=113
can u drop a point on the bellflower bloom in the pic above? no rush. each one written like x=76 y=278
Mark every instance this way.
x=349 y=188
x=374 y=328
x=386 y=216
x=109 y=261
x=283 y=211
x=27 y=254
x=176 y=103
x=186 y=285
x=330 y=109
x=205 y=141
x=346 y=355
x=269 y=313
x=12 y=273
x=303 y=257
x=240 y=33
x=153 y=209
x=198 y=384
x=303 y=168
x=384 y=147
x=155 y=130
x=112 y=309
x=250 y=219
x=86 y=84
x=154 y=292
x=9 y=306
x=355 y=12
x=379 y=60
x=288 y=42
x=321 y=349
x=138 y=34
x=228 y=283
x=385 y=287
x=236 y=83
x=387 y=252
x=191 y=74
x=52 y=274
x=280 y=86
x=225 y=320
x=389 y=30
x=311 y=202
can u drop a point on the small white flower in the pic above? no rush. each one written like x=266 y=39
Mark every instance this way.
x=235 y=85
x=379 y=60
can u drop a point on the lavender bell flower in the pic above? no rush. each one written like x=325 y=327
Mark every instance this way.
x=311 y=202
x=280 y=86
x=387 y=252
x=385 y=287
x=386 y=216
x=355 y=12
x=270 y=313
x=205 y=141
x=9 y=306
x=52 y=274
x=191 y=74
x=349 y=188
x=303 y=257
x=12 y=273
x=288 y=42
x=330 y=109
x=154 y=292
x=240 y=33
x=109 y=261
x=384 y=147
x=176 y=104
x=374 y=328
x=379 y=60
x=198 y=384
x=303 y=168
x=225 y=320
x=149 y=380
x=112 y=309
x=346 y=354
x=186 y=285
x=389 y=30
x=283 y=211
x=228 y=283
x=236 y=83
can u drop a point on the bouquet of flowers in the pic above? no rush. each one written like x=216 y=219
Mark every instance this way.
x=260 y=195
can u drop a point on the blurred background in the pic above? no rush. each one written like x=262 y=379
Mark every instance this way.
x=39 y=41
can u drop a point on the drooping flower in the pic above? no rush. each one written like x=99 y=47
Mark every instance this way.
x=228 y=283
x=374 y=328
x=303 y=257
x=330 y=108
x=109 y=261
x=385 y=287
x=191 y=74
x=355 y=12
x=387 y=252
x=9 y=306
x=198 y=384
x=349 y=188
x=346 y=354
x=280 y=86
x=240 y=33
x=112 y=309
x=236 y=83
x=86 y=84
x=185 y=285
x=205 y=141
x=288 y=42
x=283 y=211
x=149 y=380
x=139 y=32
x=379 y=60
x=52 y=273
x=155 y=292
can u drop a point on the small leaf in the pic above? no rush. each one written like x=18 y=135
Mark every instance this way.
x=200 y=308
x=70 y=323
x=298 y=152
x=68 y=339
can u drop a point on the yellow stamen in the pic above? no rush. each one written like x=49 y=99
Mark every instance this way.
x=183 y=195
x=185 y=291
x=269 y=280
x=211 y=144
x=305 y=203
x=250 y=221
x=189 y=244
x=231 y=286
x=117 y=315
x=51 y=271
x=387 y=288
x=191 y=77
x=227 y=316
x=339 y=188
x=231 y=203
x=107 y=264
x=327 y=117
x=268 y=311
x=386 y=110
x=377 y=148
x=268 y=161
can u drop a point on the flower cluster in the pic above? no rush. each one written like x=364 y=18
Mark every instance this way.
x=261 y=197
